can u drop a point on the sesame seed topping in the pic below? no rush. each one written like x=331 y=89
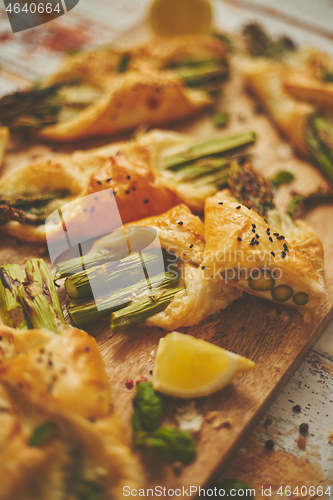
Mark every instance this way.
x=109 y=180
x=253 y=240
x=276 y=234
x=85 y=210
x=257 y=236
x=283 y=254
x=92 y=209
x=127 y=191
x=252 y=243
x=270 y=239
x=180 y=223
x=133 y=188
x=254 y=226
x=281 y=237
x=249 y=208
x=239 y=239
x=268 y=231
x=99 y=182
x=272 y=253
x=128 y=177
x=146 y=201
x=220 y=202
x=237 y=208
x=253 y=230
x=203 y=268
x=191 y=246
x=256 y=242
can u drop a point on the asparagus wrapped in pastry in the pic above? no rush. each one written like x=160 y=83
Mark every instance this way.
x=58 y=435
x=166 y=289
x=294 y=87
x=108 y=91
x=278 y=259
x=147 y=177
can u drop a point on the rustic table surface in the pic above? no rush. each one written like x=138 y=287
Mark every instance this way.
x=311 y=387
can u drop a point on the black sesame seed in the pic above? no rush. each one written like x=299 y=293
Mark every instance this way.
x=276 y=234
x=257 y=236
x=269 y=445
x=128 y=177
x=146 y=201
x=127 y=191
x=272 y=253
x=256 y=242
x=203 y=268
x=133 y=188
x=280 y=237
x=253 y=240
x=283 y=254
x=220 y=202
x=85 y=210
x=0 y=338
x=254 y=226
x=270 y=239
x=180 y=223
x=109 y=180
x=249 y=208
x=253 y=230
x=92 y=209
x=268 y=231
x=252 y=243
x=191 y=246
x=237 y=208
x=99 y=182
x=239 y=239
x=96 y=198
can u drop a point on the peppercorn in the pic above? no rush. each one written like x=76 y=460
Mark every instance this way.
x=269 y=445
x=303 y=428
x=129 y=384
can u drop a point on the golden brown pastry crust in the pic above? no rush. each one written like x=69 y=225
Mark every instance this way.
x=136 y=97
x=230 y=233
x=265 y=79
x=305 y=87
x=68 y=369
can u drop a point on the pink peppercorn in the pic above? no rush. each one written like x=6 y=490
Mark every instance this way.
x=129 y=383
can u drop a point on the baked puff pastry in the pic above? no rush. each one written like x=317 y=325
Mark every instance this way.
x=59 y=438
x=108 y=91
x=69 y=183
x=280 y=260
x=182 y=233
x=265 y=79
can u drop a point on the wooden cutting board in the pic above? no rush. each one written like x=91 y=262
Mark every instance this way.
x=275 y=337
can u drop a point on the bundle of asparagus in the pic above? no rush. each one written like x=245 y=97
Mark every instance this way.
x=132 y=299
x=30 y=302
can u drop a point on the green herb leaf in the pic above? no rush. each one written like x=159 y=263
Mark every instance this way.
x=327 y=76
x=221 y=119
x=173 y=444
x=149 y=407
x=123 y=63
x=42 y=434
x=281 y=177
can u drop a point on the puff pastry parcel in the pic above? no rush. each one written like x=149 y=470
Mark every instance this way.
x=109 y=91
x=280 y=260
x=59 y=437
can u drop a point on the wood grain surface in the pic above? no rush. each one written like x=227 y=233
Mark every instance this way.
x=275 y=337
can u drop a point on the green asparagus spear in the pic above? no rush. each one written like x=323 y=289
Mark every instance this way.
x=39 y=297
x=208 y=148
x=319 y=140
x=109 y=276
x=84 y=312
x=138 y=312
x=12 y=311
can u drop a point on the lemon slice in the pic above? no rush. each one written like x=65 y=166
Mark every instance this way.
x=181 y=17
x=187 y=367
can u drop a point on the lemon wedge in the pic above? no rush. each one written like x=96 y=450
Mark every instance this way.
x=187 y=367
x=181 y=17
